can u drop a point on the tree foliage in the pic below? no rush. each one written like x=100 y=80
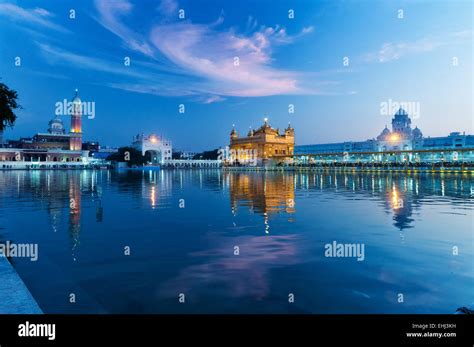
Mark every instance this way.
x=129 y=155
x=209 y=155
x=8 y=103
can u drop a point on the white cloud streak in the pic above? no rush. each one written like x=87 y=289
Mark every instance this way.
x=110 y=13
x=391 y=51
x=36 y=16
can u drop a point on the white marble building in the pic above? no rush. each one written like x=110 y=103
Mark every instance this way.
x=158 y=147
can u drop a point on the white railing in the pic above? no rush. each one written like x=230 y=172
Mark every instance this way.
x=192 y=163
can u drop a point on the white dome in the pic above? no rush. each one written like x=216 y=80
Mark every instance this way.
x=56 y=126
x=417 y=133
x=384 y=134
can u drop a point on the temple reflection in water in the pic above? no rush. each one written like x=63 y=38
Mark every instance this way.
x=60 y=193
x=183 y=227
x=264 y=194
x=400 y=194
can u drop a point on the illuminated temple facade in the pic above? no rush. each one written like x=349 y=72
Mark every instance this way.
x=53 y=148
x=262 y=146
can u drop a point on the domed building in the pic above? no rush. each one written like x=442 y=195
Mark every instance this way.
x=417 y=134
x=56 y=126
x=401 y=136
x=56 y=137
x=401 y=128
x=401 y=124
x=401 y=143
x=263 y=146
x=55 y=145
x=384 y=135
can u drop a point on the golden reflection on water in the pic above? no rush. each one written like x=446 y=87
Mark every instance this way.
x=261 y=193
x=264 y=194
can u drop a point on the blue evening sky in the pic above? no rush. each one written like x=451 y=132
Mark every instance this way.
x=282 y=61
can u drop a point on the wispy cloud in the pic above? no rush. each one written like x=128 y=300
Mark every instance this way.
x=391 y=51
x=227 y=63
x=206 y=62
x=156 y=89
x=110 y=13
x=212 y=99
x=37 y=16
x=252 y=24
x=168 y=8
x=141 y=79
x=237 y=65
x=42 y=12
x=59 y=56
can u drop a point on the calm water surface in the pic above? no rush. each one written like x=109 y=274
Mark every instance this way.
x=182 y=228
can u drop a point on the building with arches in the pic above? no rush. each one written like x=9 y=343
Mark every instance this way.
x=154 y=147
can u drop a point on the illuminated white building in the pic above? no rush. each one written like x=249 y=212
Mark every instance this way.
x=409 y=144
x=158 y=148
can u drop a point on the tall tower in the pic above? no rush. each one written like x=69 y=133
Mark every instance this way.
x=75 y=142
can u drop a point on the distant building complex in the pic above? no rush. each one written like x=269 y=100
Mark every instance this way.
x=402 y=144
x=54 y=148
x=265 y=146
